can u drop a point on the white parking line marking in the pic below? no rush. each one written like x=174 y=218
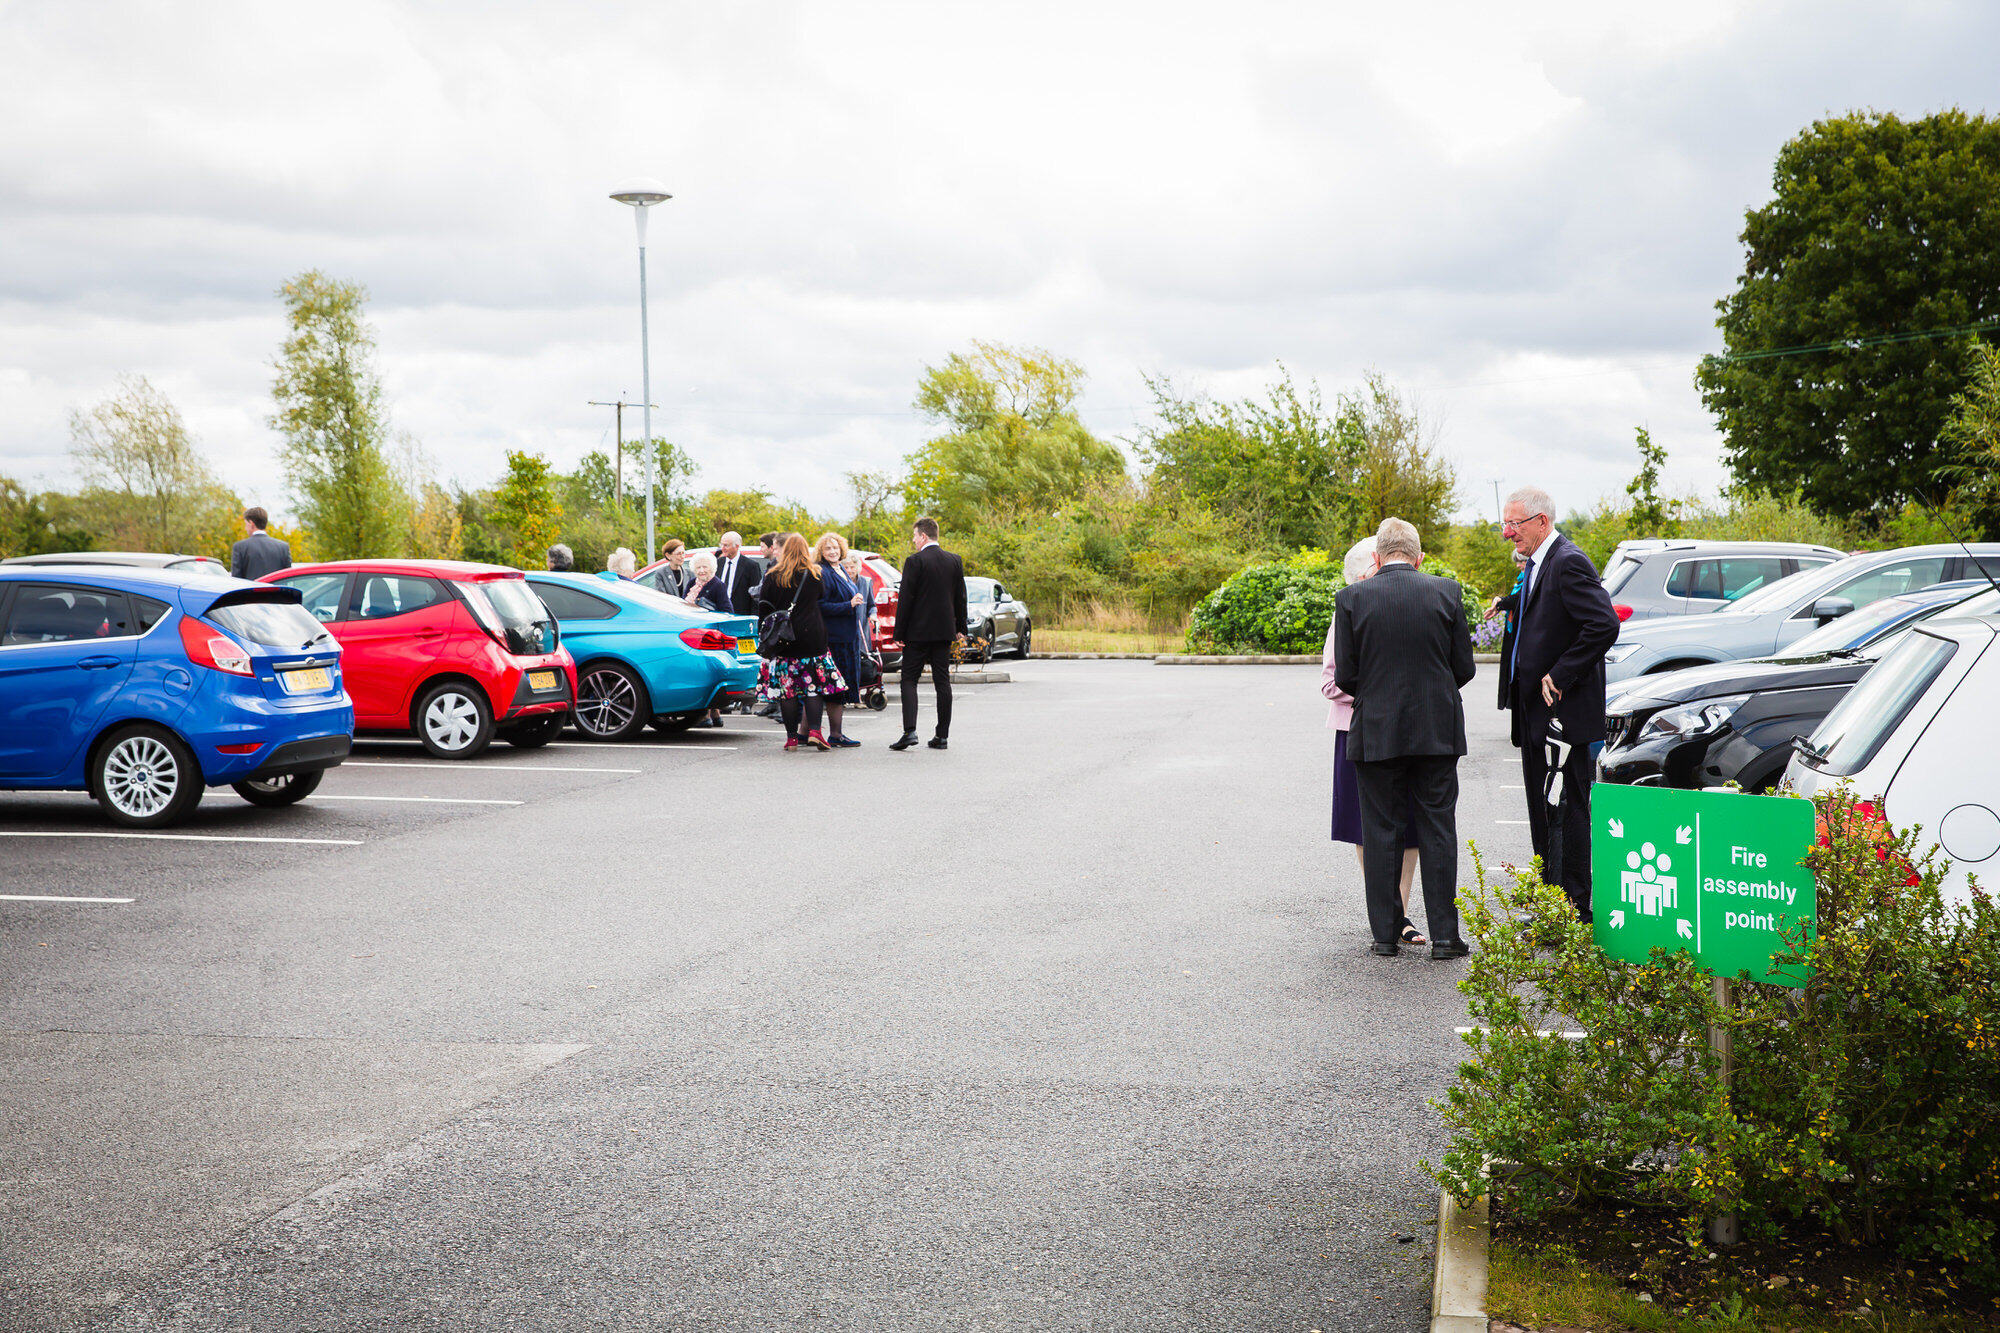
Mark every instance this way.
x=464 y=767
x=171 y=837
x=434 y=800
x=52 y=898
x=1512 y=786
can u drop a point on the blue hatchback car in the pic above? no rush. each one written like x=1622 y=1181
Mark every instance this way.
x=145 y=686
x=643 y=656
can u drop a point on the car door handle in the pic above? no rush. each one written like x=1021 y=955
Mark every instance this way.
x=99 y=663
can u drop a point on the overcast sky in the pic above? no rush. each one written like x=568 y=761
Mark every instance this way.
x=1523 y=214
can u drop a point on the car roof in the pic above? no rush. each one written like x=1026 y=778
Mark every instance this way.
x=445 y=569
x=135 y=559
x=202 y=587
x=1640 y=546
x=631 y=593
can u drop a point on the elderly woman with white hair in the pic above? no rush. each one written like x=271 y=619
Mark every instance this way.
x=1358 y=565
x=620 y=564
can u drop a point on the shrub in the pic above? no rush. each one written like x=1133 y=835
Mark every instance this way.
x=1868 y=1101
x=1285 y=607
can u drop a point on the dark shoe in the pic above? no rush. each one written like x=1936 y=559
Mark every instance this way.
x=843 y=742
x=938 y=743
x=715 y=722
x=768 y=710
x=1411 y=936
x=904 y=742
x=1446 y=950
x=1384 y=949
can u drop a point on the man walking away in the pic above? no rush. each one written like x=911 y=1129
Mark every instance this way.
x=1555 y=673
x=1403 y=650
x=259 y=553
x=930 y=617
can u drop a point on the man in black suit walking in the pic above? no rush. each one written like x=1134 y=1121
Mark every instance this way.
x=259 y=553
x=930 y=617
x=1402 y=648
x=1555 y=673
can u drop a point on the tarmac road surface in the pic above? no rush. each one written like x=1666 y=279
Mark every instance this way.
x=1071 y=1026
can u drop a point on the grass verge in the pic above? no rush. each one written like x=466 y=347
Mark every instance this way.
x=1056 y=640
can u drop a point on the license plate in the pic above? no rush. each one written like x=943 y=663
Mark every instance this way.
x=747 y=646
x=542 y=680
x=309 y=681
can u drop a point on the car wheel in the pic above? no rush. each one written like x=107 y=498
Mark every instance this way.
x=281 y=789
x=535 y=732
x=1027 y=635
x=611 y=702
x=145 y=777
x=675 y=724
x=454 y=721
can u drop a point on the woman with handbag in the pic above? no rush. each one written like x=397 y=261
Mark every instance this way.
x=840 y=604
x=792 y=638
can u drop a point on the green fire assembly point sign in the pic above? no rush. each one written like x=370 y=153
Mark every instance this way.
x=1716 y=873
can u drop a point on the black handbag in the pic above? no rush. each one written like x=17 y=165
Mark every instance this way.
x=776 y=631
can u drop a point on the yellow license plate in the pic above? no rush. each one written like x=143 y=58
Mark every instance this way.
x=305 y=682
x=541 y=680
x=748 y=646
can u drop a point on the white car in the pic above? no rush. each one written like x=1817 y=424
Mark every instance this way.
x=1921 y=732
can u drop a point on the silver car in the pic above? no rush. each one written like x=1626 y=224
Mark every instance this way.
x=1672 y=577
x=1761 y=623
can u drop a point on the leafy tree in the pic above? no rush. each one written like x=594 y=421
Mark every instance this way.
x=1971 y=438
x=147 y=487
x=1015 y=441
x=527 y=509
x=28 y=526
x=1880 y=228
x=1402 y=473
x=331 y=415
x=1650 y=514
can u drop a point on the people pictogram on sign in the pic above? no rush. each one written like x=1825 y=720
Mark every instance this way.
x=1646 y=884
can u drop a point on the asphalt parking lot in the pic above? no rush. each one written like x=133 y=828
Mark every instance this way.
x=1070 y=1026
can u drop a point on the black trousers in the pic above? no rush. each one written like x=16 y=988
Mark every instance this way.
x=1389 y=788
x=1573 y=872
x=936 y=656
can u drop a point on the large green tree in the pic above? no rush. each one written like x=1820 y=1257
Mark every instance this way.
x=1015 y=441
x=528 y=508
x=1881 y=232
x=331 y=415
x=146 y=485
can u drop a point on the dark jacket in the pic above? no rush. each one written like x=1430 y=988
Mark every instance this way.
x=930 y=603
x=749 y=570
x=836 y=606
x=671 y=581
x=808 y=630
x=715 y=597
x=1402 y=648
x=258 y=555
x=1563 y=629
x=1510 y=613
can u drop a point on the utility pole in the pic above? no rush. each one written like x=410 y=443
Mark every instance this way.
x=618 y=472
x=1497 y=515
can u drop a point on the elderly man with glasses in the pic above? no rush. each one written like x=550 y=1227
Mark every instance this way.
x=1552 y=678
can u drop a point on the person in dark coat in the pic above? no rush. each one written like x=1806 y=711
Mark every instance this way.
x=930 y=617
x=803 y=675
x=739 y=572
x=259 y=553
x=1555 y=673
x=840 y=607
x=1402 y=649
x=705 y=588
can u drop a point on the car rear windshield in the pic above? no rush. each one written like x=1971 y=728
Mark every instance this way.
x=1859 y=723
x=273 y=624
x=1620 y=574
x=510 y=609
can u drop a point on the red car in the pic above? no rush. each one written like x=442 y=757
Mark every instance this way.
x=453 y=651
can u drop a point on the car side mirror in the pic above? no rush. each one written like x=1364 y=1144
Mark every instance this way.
x=1829 y=609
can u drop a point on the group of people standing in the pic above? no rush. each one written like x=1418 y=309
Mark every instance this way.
x=1398 y=653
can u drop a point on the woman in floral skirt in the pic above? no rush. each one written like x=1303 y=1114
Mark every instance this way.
x=803 y=675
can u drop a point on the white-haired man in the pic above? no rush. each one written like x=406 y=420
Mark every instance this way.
x=1553 y=672
x=1403 y=650
x=738 y=572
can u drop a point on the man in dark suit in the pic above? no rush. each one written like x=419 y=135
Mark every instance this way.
x=930 y=616
x=259 y=553
x=739 y=573
x=1555 y=672
x=1403 y=650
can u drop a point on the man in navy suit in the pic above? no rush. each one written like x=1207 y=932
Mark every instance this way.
x=1555 y=673
x=259 y=553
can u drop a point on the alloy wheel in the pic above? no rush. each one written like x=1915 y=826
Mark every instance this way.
x=451 y=721
x=141 y=776
x=606 y=702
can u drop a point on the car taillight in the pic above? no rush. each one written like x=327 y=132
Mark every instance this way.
x=1624 y=611
x=708 y=640
x=210 y=647
x=251 y=748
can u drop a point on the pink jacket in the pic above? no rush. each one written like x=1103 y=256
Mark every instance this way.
x=1340 y=716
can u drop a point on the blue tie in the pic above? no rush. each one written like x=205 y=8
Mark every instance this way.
x=1527 y=587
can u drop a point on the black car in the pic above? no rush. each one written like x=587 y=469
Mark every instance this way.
x=1725 y=722
x=994 y=621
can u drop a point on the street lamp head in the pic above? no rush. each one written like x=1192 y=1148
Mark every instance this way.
x=640 y=192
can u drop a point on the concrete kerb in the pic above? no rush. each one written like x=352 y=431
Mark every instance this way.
x=1458 y=1288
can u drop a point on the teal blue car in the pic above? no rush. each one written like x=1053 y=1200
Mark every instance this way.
x=645 y=657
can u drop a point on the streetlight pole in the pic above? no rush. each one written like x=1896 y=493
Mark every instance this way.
x=642 y=192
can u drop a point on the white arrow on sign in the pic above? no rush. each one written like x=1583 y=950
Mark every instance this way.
x=1617 y=918
x=1686 y=931
x=1683 y=835
x=1617 y=828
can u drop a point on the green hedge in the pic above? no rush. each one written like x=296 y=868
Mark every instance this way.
x=1285 y=607
x=1868 y=1101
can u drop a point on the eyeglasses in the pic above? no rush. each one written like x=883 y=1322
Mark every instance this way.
x=1514 y=524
